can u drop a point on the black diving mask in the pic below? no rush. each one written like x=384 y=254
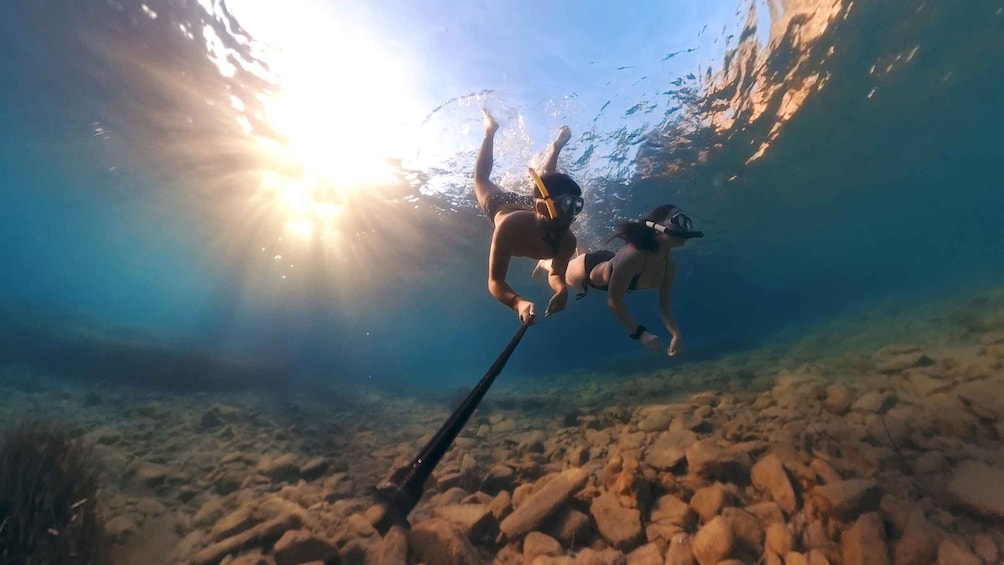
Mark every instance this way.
x=681 y=226
x=569 y=204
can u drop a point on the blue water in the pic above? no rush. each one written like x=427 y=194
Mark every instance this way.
x=836 y=155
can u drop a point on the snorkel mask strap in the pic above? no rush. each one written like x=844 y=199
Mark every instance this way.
x=684 y=234
x=548 y=201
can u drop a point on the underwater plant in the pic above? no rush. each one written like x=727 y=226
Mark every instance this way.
x=48 y=489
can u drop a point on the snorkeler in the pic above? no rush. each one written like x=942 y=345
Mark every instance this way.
x=536 y=227
x=642 y=263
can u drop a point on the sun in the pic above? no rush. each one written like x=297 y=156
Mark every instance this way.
x=343 y=111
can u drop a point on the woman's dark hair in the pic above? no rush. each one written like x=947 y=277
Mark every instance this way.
x=638 y=234
x=557 y=184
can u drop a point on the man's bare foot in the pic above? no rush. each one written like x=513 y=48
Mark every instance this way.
x=564 y=134
x=491 y=126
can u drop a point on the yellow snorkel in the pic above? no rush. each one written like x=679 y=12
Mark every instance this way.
x=548 y=201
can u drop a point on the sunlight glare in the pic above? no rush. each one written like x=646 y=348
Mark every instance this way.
x=344 y=110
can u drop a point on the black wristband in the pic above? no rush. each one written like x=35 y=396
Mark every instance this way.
x=638 y=331
x=513 y=301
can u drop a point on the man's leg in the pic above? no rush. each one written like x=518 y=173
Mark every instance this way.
x=483 y=186
x=551 y=163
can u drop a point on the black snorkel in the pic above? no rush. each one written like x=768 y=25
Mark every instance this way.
x=682 y=234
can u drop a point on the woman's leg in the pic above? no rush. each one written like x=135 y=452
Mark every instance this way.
x=575 y=275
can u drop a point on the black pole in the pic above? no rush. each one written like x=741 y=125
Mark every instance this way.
x=399 y=494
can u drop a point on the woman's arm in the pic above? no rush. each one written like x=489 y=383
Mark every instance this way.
x=665 y=305
x=626 y=264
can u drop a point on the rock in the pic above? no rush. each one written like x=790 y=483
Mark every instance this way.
x=470 y=470
x=986 y=548
x=622 y=477
x=897 y=511
x=873 y=402
x=748 y=532
x=577 y=456
x=227 y=482
x=769 y=476
x=475 y=520
x=543 y=503
x=338 y=487
x=120 y=528
x=210 y=512
x=838 y=399
x=709 y=501
x=818 y=557
x=919 y=543
x=692 y=422
x=951 y=553
x=680 y=551
x=985 y=398
x=979 y=488
x=714 y=542
x=647 y=554
x=669 y=449
x=901 y=359
x=949 y=415
x=217 y=416
x=449 y=480
x=847 y=499
x=150 y=507
x=568 y=526
x=441 y=542
x=210 y=419
x=253 y=558
x=795 y=558
x=499 y=477
x=930 y=462
x=501 y=505
x=393 y=549
x=767 y=512
x=923 y=385
x=536 y=543
x=104 y=436
x=661 y=532
x=655 y=419
x=187 y=492
x=825 y=472
x=619 y=526
x=590 y=556
x=280 y=469
x=315 y=468
x=151 y=474
x=234 y=523
x=262 y=534
x=816 y=536
x=864 y=542
x=504 y=426
x=707 y=460
x=780 y=540
x=299 y=546
x=673 y=510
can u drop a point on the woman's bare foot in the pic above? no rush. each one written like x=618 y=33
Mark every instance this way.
x=541 y=269
x=491 y=126
x=564 y=134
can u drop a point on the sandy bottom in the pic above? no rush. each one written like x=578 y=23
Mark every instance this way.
x=875 y=439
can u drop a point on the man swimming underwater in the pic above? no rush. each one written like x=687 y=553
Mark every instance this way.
x=537 y=227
